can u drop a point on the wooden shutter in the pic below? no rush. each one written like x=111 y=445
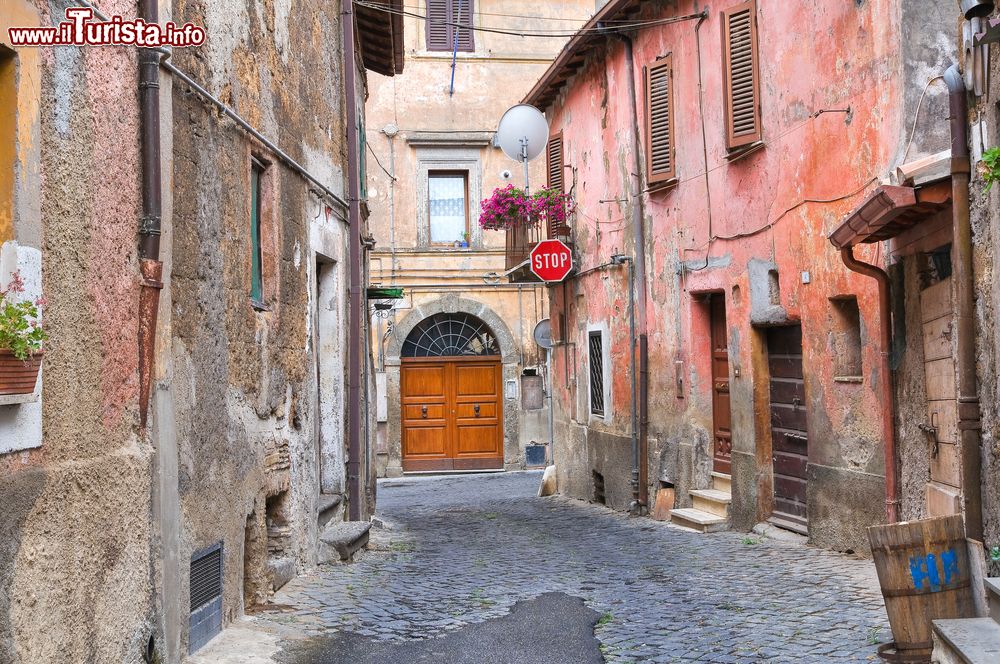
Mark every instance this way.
x=555 y=163
x=443 y=17
x=740 y=74
x=462 y=14
x=660 y=154
x=438 y=30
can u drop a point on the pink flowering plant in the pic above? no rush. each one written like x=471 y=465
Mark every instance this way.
x=509 y=207
x=21 y=330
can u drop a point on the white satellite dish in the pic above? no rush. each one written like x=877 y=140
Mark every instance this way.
x=522 y=134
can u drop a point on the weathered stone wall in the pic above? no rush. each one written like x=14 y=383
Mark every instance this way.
x=244 y=379
x=75 y=533
x=986 y=271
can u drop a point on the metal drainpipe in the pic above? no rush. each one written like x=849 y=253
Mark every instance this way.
x=150 y=266
x=969 y=424
x=355 y=323
x=639 y=489
x=886 y=396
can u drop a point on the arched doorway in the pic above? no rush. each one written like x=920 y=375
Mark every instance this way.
x=451 y=402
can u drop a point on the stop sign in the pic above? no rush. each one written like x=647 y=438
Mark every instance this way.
x=551 y=260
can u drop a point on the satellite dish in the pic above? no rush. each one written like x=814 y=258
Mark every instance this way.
x=522 y=126
x=543 y=333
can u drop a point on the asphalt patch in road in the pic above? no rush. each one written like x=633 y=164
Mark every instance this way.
x=554 y=628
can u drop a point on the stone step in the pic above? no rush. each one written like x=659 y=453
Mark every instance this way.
x=722 y=482
x=712 y=501
x=342 y=539
x=282 y=571
x=968 y=641
x=327 y=507
x=704 y=522
x=993 y=596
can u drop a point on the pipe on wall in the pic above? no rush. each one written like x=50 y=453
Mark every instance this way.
x=355 y=314
x=969 y=424
x=150 y=265
x=640 y=490
x=886 y=386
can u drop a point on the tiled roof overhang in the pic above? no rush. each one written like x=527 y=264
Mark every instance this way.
x=574 y=54
x=889 y=211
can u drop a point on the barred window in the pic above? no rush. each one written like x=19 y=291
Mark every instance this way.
x=596 y=374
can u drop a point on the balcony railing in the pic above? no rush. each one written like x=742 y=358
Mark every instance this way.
x=521 y=239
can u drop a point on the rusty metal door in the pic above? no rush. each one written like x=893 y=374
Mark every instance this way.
x=789 y=428
x=721 y=412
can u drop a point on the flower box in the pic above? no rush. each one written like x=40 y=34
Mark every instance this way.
x=18 y=377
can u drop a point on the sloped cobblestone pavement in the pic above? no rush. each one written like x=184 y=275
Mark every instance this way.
x=464 y=549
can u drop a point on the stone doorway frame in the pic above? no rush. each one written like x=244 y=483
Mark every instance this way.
x=452 y=304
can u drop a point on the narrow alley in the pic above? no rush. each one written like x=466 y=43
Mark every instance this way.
x=450 y=556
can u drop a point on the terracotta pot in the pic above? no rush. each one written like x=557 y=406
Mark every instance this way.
x=18 y=376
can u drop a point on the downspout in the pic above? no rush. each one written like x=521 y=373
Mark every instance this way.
x=639 y=489
x=150 y=266
x=886 y=384
x=969 y=424
x=355 y=323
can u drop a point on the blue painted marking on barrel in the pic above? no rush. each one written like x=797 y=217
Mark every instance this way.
x=924 y=570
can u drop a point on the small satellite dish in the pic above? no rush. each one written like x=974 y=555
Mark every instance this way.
x=543 y=333
x=522 y=125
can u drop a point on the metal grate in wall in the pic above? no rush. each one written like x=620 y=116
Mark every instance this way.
x=596 y=373
x=206 y=596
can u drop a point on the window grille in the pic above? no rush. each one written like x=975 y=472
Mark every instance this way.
x=596 y=373
x=450 y=335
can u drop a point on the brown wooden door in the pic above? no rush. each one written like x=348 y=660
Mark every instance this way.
x=452 y=414
x=721 y=412
x=789 y=429
x=937 y=318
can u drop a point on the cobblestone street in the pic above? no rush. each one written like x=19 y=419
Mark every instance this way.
x=458 y=551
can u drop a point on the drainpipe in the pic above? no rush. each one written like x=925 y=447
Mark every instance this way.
x=886 y=389
x=355 y=323
x=639 y=489
x=150 y=266
x=969 y=424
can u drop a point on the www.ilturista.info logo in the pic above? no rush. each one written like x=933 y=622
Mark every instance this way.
x=79 y=30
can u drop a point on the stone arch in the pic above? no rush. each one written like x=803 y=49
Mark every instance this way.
x=452 y=304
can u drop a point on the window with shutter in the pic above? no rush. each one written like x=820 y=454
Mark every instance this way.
x=448 y=25
x=556 y=178
x=740 y=75
x=660 y=153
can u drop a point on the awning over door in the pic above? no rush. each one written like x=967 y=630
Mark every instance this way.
x=889 y=211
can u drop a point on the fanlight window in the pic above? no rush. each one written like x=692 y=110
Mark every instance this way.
x=450 y=335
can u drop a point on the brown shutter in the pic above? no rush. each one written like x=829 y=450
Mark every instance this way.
x=555 y=163
x=438 y=30
x=660 y=153
x=443 y=19
x=556 y=177
x=462 y=14
x=740 y=74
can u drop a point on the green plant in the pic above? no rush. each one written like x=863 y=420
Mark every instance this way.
x=21 y=330
x=989 y=167
x=605 y=618
x=749 y=541
x=874 y=636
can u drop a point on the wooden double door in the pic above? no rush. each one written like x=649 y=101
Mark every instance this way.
x=452 y=413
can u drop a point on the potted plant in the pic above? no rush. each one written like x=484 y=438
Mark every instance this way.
x=506 y=208
x=465 y=239
x=21 y=339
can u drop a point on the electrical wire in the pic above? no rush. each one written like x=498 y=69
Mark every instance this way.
x=377 y=161
x=632 y=25
x=916 y=117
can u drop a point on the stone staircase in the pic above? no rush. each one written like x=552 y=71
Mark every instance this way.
x=970 y=640
x=710 y=511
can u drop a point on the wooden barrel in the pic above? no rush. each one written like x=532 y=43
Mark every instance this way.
x=923 y=568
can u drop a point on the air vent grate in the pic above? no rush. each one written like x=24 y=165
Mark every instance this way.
x=206 y=577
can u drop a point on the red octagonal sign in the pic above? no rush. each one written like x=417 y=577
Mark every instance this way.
x=551 y=260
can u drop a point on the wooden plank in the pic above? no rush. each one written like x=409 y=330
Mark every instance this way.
x=943 y=415
x=940 y=379
x=786 y=416
x=942 y=500
x=937 y=336
x=787 y=390
x=935 y=301
x=946 y=466
x=782 y=366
